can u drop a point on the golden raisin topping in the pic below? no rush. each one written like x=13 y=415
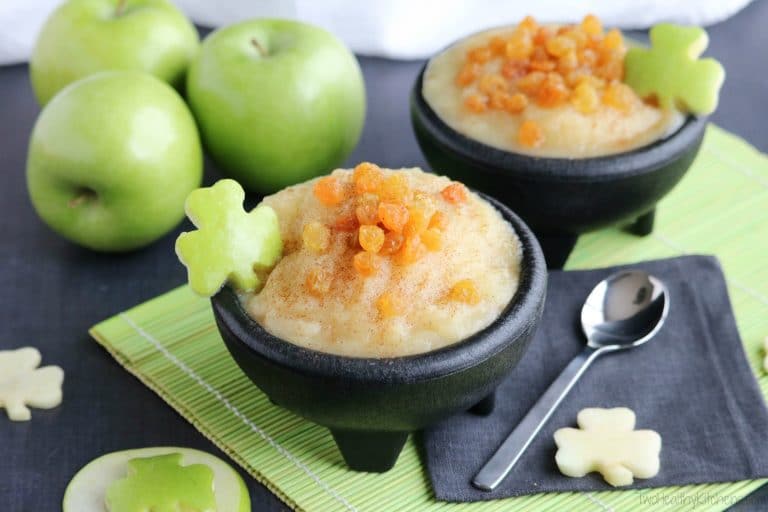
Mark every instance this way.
x=365 y=263
x=454 y=193
x=330 y=191
x=580 y=65
x=371 y=238
x=390 y=218
x=318 y=281
x=432 y=239
x=464 y=291
x=530 y=134
x=316 y=237
x=388 y=305
x=392 y=243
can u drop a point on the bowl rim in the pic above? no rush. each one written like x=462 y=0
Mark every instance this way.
x=523 y=309
x=642 y=160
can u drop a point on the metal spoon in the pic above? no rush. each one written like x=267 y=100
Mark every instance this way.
x=623 y=311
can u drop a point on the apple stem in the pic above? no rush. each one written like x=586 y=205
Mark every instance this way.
x=120 y=7
x=263 y=51
x=83 y=196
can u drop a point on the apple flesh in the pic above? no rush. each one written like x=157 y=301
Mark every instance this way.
x=82 y=37
x=230 y=244
x=278 y=102
x=87 y=491
x=112 y=159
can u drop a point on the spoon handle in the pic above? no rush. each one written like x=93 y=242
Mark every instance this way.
x=507 y=455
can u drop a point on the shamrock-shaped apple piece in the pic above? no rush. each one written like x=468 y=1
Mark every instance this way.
x=162 y=484
x=671 y=69
x=607 y=442
x=23 y=384
x=230 y=244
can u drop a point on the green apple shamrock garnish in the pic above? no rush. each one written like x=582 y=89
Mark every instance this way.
x=230 y=244
x=162 y=484
x=671 y=69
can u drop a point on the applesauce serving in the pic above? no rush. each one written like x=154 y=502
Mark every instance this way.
x=384 y=263
x=545 y=90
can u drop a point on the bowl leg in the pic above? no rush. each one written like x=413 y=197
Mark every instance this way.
x=556 y=247
x=643 y=226
x=485 y=406
x=374 y=452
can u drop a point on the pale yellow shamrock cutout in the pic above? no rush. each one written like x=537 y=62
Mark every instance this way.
x=671 y=69
x=230 y=244
x=607 y=443
x=23 y=384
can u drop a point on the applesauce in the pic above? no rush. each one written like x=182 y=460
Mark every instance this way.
x=358 y=279
x=549 y=91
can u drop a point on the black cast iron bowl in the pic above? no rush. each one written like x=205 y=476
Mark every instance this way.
x=561 y=198
x=370 y=405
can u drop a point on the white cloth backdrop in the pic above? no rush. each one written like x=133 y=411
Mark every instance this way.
x=401 y=29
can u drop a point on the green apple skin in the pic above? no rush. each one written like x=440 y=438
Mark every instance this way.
x=82 y=37
x=112 y=159
x=277 y=102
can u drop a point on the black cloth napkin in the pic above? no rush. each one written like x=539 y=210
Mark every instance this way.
x=691 y=383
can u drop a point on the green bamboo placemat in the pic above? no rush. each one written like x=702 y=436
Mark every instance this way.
x=172 y=345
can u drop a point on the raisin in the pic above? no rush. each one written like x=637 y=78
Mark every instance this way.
x=418 y=221
x=585 y=98
x=367 y=209
x=366 y=177
x=465 y=291
x=481 y=54
x=392 y=243
x=388 y=306
x=591 y=25
x=395 y=188
x=318 y=282
x=491 y=83
x=432 y=239
x=439 y=221
x=329 y=191
x=411 y=251
x=316 y=237
x=618 y=96
x=371 y=238
x=475 y=103
x=394 y=216
x=530 y=134
x=365 y=263
x=467 y=74
x=560 y=45
x=516 y=103
x=454 y=193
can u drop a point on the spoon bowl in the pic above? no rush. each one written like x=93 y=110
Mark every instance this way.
x=623 y=311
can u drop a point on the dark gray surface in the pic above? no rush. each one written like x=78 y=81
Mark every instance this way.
x=671 y=382
x=53 y=291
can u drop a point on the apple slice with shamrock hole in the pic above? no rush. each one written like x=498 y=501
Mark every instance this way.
x=145 y=478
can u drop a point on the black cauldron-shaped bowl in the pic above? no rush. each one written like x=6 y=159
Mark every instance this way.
x=561 y=198
x=371 y=405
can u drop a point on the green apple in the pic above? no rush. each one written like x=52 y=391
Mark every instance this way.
x=112 y=159
x=82 y=37
x=277 y=101
x=114 y=481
